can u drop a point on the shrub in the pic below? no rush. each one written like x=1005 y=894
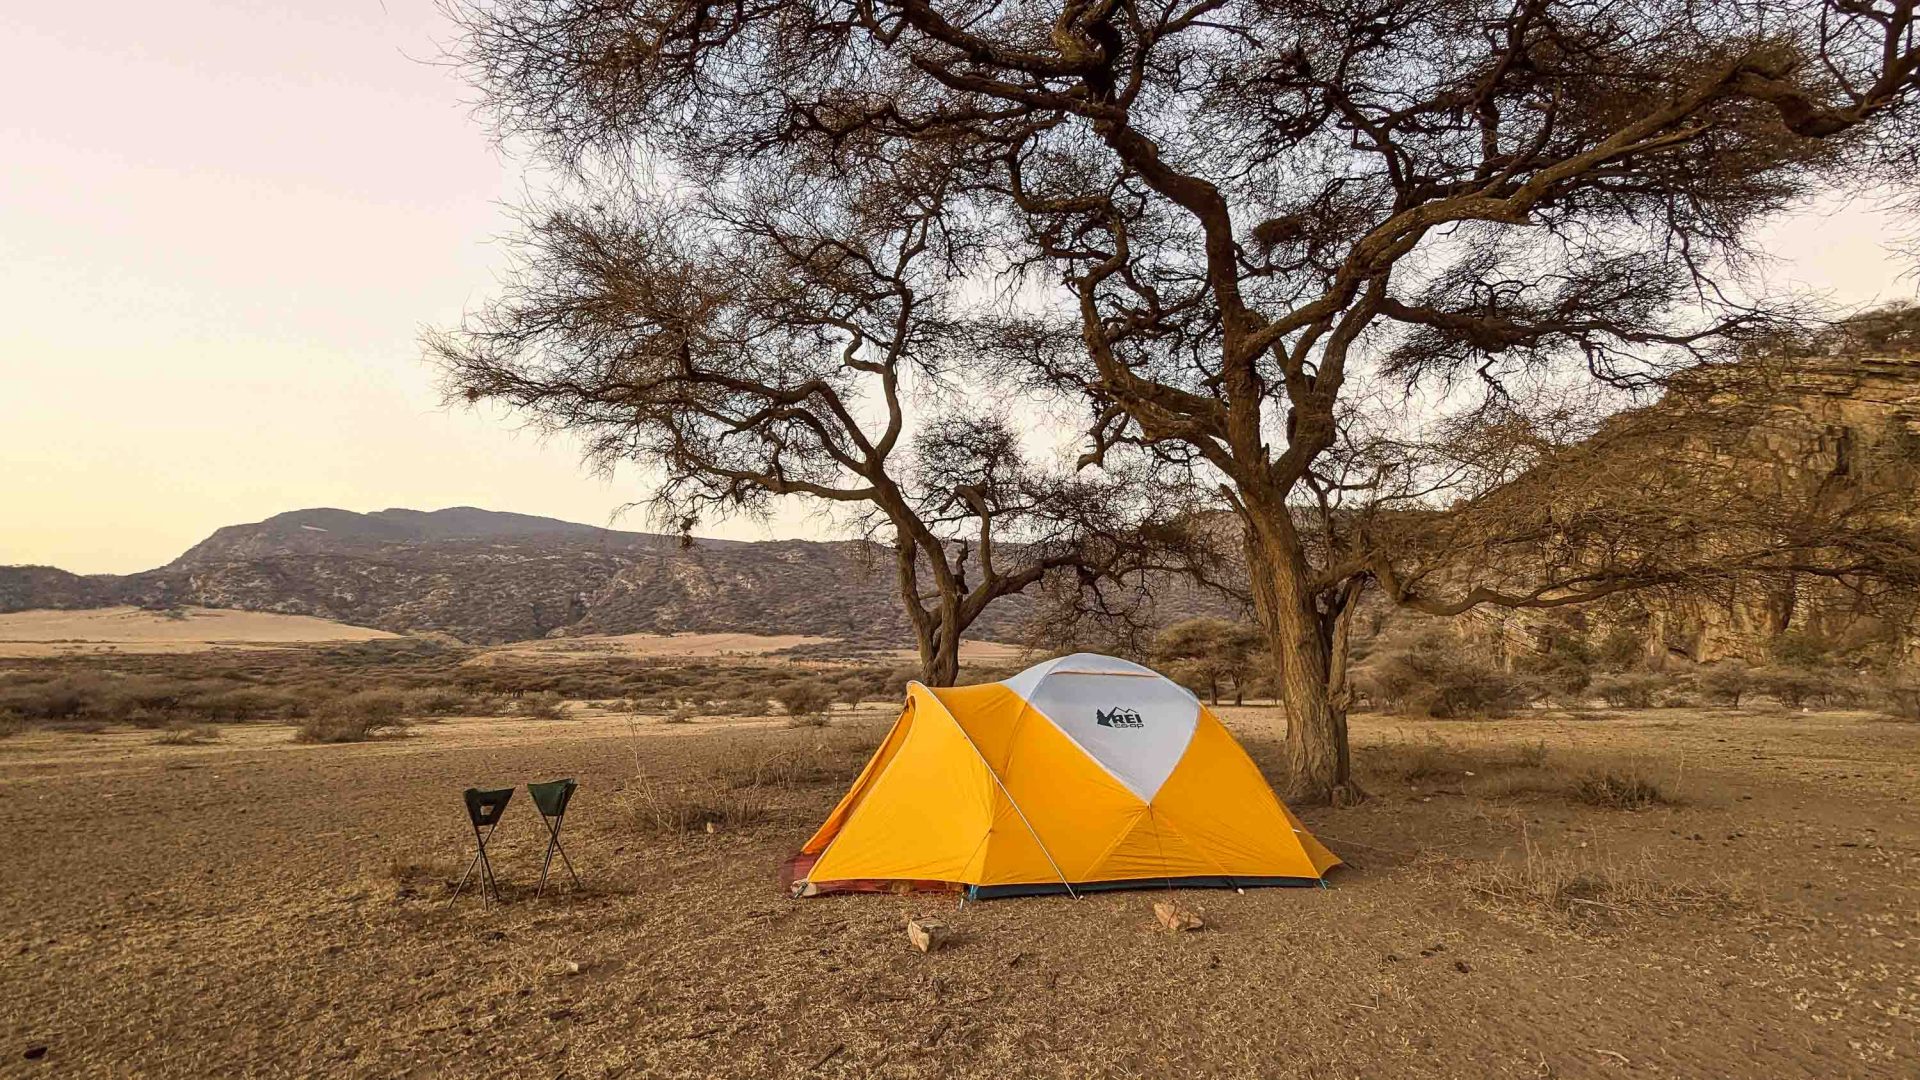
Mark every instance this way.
x=332 y=727
x=1629 y=691
x=449 y=701
x=1562 y=675
x=357 y=717
x=1622 y=647
x=1801 y=649
x=543 y=705
x=1437 y=677
x=682 y=715
x=11 y=724
x=1727 y=683
x=807 y=702
x=1796 y=687
x=1619 y=791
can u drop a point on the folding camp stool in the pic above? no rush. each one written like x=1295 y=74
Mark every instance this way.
x=484 y=809
x=551 y=800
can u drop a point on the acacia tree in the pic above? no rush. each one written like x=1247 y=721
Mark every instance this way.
x=1259 y=213
x=1208 y=650
x=761 y=344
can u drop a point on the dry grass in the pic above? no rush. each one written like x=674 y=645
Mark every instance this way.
x=188 y=735
x=1520 y=770
x=1621 y=790
x=755 y=764
x=668 y=809
x=1589 y=893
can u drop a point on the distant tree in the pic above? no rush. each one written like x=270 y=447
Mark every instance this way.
x=1283 y=242
x=1208 y=651
x=1727 y=682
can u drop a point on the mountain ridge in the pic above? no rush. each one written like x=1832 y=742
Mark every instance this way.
x=488 y=576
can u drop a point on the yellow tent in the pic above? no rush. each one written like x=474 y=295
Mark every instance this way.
x=1083 y=772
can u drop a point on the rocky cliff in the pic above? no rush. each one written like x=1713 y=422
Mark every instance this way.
x=1824 y=434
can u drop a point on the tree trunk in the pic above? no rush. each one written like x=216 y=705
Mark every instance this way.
x=940 y=657
x=1301 y=639
x=1213 y=689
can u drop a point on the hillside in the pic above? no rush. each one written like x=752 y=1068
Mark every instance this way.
x=489 y=577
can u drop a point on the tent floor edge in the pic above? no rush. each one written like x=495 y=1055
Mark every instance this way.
x=1055 y=888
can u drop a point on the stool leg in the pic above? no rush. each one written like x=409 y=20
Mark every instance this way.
x=486 y=863
x=463 y=878
x=546 y=863
x=557 y=823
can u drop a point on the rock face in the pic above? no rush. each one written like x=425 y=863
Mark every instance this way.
x=1829 y=432
x=488 y=577
x=1835 y=431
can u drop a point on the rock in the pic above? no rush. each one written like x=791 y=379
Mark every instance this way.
x=1176 y=918
x=927 y=935
x=1462 y=966
x=36 y=1052
x=569 y=967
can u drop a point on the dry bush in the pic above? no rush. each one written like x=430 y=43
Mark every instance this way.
x=1727 y=683
x=684 y=714
x=543 y=705
x=187 y=735
x=1562 y=676
x=339 y=728
x=1589 y=894
x=807 y=701
x=357 y=717
x=1620 y=791
x=1631 y=690
x=11 y=724
x=1531 y=755
x=1439 y=677
x=451 y=701
x=659 y=808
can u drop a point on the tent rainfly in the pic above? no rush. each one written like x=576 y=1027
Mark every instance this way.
x=1085 y=772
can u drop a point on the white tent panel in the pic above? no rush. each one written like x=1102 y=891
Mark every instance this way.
x=1135 y=722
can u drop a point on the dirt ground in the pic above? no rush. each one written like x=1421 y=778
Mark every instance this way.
x=256 y=907
x=94 y=631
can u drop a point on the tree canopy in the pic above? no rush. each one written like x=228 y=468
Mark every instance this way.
x=1281 y=243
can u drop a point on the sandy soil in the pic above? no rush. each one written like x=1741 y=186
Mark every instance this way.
x=683 y=646
x=262 y=908
x=979 y=652
x=134 y=630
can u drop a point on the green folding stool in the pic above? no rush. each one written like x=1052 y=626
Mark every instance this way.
x=483 y=812
x=551 y=800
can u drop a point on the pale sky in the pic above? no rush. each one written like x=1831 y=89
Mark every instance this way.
x=223 y=226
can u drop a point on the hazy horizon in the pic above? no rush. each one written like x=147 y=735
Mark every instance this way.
x=227 y=226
